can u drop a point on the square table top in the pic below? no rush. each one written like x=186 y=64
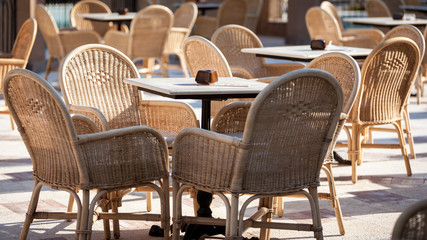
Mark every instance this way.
x=304 y=52
x=385 y=21
x=106 y=17
x=187 y=88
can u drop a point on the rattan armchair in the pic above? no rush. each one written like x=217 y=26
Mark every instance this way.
x=230 y=12
x=91 y=80
x=146 y=39
x=60 y=42
x=90 y=6
x=377 y=8
x=411 y=224
x=104 y=161
x=322 y=25
x=230 y=39
x=386 y=87
x=371 y=32
x=18 y=58
x=184 y=19
x=286 y=137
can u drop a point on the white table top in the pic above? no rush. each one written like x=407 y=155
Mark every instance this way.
x=108 y=16
x=181 y=88
x=304 y=52
x=384 y=21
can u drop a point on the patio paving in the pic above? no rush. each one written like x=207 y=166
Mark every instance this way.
x=370 y=207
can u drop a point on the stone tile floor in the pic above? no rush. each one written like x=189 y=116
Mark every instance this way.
x=370 y=207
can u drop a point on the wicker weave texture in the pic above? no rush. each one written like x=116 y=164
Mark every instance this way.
x=411 y=224
x=90 y=6
x=410 y=32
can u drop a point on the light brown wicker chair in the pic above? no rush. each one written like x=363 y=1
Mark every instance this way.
x=146 y=39
x=60 y=42
x=371 y=32
x=322 y=25
x=18 y=58
x=411 y=224
x=230 y=12
x=230 y=39
x=254 y=10
x=286 y=137
x=184 y=19
x=377 y=8
x=91 y=81
x=90 y=6
x=104 y=161
x=388 y=75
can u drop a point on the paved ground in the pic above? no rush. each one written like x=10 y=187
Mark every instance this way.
x=370 y=207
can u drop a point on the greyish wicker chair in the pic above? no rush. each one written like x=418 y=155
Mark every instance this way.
x=411 y=224
x=231 y=38
x=90 y=6
x=230 y=12
x=184 y=19
x=322 y=25
x=18 y=58
x=285 y=140
x=60 y=41
x=91 y=80
x=63 y=160
x=388 y=75
x=146 y=39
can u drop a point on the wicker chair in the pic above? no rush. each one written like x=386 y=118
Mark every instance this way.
x=423 y=80
x=386 y=87
x=146 y=39
x=91 y=81
x=60 y=42
x=230 y=12
x=230 y=39
x=184 y=19
x=322 y=25
x=377 y=8
x=411 y=224
x=262 y=161
x=90 y=6
x=254 y=11
x=18 y=58
x=105 y=161
x=372 y=32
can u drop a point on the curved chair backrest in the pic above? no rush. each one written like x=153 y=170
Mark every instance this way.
x=377 y=8
x=387 y=78
x=45 y=126
x=90 y=6
x=94 y=70
x=330 y=8
x=230 y=39
x=50 y=31
x=254 y=10
x=25 y=40
x=149 y=31
x=410 y=32
x=322 y=25
x=232 y=12
x=202 y=54
x=411 y=224
x=185 y=16
x=287 y=125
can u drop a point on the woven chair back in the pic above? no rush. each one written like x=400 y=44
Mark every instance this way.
x=322 y=25
x=49 y=31
x=254 y=10
x=410 y=32
x=90 y=6
x=232 y=12
x=387 y=79
x=230 y=39
x=45 y=126
x=330 y=8
x=149 y=31
x=377 y=8
x=92 y=75
x=185 y=16
x=411 y=223
x=288 y=131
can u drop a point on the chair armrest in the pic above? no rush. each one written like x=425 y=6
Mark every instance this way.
x=6 y=55
x=205 y=26
x=70 y=29
x=94 y=114
x=83 y=124
x=278 y=69
x=13 y=62
x=359 y=41
x=373 y=33
x=117 y=39
x=73 y=39
x=126 y=157
x=242 y=72
x=231 y=118
x=205 y=159
x=175 y=39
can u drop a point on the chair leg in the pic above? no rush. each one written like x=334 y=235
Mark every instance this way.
x=31 y=210
x=149 y=201
x=12 y=123
x=402 y=142
x=264 y=233
x=84 y=222
x=183 y=64
x=165 y=209
x=315 y=210
x=116 y=196
x=163 y=68
x=48 y=67
x=327 y=168
x=409 y=131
